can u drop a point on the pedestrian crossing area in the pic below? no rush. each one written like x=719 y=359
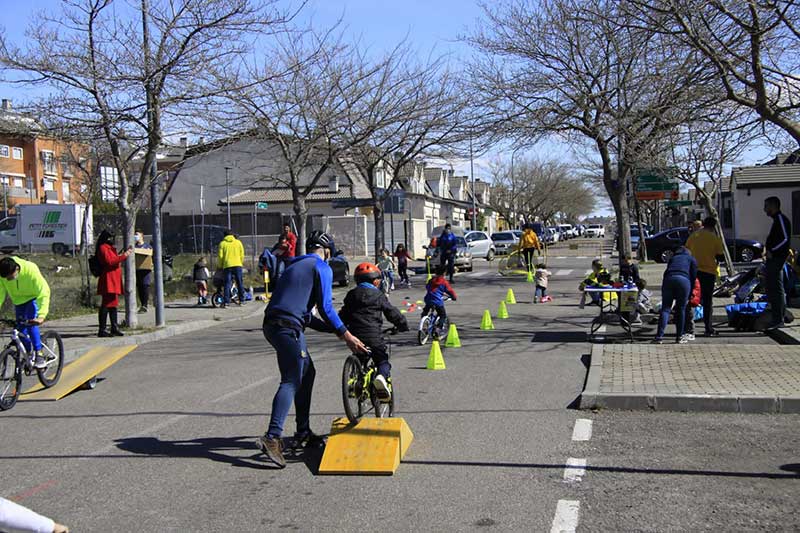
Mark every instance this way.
x=554 y=273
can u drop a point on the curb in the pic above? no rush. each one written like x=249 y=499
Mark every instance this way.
x=164 y=333
x=790 y=335
x=593 y=398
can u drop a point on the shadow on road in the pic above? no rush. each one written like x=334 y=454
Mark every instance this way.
x=221 y=449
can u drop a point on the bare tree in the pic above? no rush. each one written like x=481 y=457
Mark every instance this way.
x=121 y=71
x=556 y=67
x=702 y=152
x=753 y=47
x=414 y=111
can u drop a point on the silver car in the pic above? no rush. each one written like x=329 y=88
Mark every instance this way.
x=480 y=244
x=463 y=255
x=504 y=242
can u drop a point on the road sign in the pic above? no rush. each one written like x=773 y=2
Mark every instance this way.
x=652 y=180
x=677 y=203
x=261 y=205
x=650 y=195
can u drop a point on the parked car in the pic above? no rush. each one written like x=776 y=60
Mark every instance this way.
x=596 y=230
x=504 y=242
x=567 y=230
x=340 y=268
x=636 y=238
x=662 y=246
x=556 y=233
x=480 y=244
x=463 y=254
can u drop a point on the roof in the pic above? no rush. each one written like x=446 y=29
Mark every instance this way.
x=15 y=123
x=284 y=195
x=766 y=175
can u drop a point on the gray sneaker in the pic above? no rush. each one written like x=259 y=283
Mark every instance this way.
x=273 y=449
x=39 y=361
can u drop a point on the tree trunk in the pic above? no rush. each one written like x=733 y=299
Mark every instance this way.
x=129 y=266
x=712 y=212
x=301 y=215
x=380 y=237
x=616 y=193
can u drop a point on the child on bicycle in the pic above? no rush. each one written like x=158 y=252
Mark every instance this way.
x=403 y=257
x=29 y=292
x=200 y=275
x=387 y=266
x=363 y=311
x=436 y=289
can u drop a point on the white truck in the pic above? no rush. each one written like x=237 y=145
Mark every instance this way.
x=45 y=227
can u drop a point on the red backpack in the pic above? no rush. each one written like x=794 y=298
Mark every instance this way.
x=694 y=297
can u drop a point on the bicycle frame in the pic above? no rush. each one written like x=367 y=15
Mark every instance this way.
x=18 y=339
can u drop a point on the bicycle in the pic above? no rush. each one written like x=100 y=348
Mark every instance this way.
x=358 y=390
x=16 y=360
x=429 y=327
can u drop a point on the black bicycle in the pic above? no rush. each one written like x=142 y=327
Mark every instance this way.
x=16 y=360
x=358 y=391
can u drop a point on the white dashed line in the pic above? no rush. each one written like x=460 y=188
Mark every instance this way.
x=582 y=430
x=575 y=470
x=563 y=272
x=588 y=272
x=566 y=519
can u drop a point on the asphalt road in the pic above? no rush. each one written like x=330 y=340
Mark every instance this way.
x=166 y=441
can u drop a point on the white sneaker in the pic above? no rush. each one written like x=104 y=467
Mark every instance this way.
x=39 y=361
x=689 y=336
x=682 y=340
x=382 y=387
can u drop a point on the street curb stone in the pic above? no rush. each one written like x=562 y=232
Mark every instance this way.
x=593 y=398
x=788 y=335
x=165 y=333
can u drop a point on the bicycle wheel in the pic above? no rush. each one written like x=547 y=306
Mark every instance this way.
x=424 y=330
x=52 y=345
x=217 y=299
x=10 y=378
x=353 y=393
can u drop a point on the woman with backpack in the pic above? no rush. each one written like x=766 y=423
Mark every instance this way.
x=109 y=282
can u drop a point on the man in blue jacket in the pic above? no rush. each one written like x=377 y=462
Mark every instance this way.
x=448 y=247
x=305 y=284
x=777 y=248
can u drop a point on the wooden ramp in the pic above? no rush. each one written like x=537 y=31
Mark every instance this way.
x=374 y=446
x=78 y=372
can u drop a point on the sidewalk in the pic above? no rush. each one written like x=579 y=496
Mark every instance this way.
x=80 y=333
x=694 y=377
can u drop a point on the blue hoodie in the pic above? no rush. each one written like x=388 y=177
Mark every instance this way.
x=682 y=264
x=447 y=242
x=305 y=283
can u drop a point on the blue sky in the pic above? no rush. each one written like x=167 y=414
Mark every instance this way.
x=432 y=25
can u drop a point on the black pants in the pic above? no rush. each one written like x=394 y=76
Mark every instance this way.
x=776 y=292
x=449 y=260
x=440 y=311
x=143 y=278
x=707 y=282
x=402 y=270
x=380 y=356
x=527 y=254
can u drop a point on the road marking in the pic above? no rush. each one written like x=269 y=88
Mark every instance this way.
x=588 y=272
x=560 y=257
x=566 y=519
x=575 y=470
x=581 y=257
x=33 y=491
x=563 y=272
x=582 y=430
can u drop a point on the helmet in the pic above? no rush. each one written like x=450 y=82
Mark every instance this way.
x=366 y=272
x=319 y=239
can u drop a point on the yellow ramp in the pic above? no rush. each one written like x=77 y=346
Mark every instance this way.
x=373 y=446
x=78 y=372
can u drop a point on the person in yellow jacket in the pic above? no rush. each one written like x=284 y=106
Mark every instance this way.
x=231 y=259
x=706 y=247
x=29 y=292
x=529 y=243
x=599 y=277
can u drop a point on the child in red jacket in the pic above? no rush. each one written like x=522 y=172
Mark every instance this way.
x=694 y=302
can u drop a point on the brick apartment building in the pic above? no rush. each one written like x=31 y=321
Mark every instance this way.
x=35 y=167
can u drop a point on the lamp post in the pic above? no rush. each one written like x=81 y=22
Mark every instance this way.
x=472 y=179
x=228 y=194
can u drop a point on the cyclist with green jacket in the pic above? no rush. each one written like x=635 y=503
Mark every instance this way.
x=30 y=294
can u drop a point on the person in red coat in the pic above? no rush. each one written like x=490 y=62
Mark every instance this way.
x=694 y=302
x=109 y=284
x=291 y=239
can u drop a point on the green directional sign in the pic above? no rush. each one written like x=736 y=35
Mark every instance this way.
x=656 y=180
x=261 y=205
x=677 y=203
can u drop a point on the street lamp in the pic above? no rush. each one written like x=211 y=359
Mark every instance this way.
x=228 y=194
x=472 y=179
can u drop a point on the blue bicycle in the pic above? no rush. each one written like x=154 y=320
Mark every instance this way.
x=432 y=326
x=16 y=360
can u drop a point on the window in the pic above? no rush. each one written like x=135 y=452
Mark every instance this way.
x=65 y=191
x=49 y=162
x=49 y=184
x=18 y=182
x=16 y=153
x=66 y=166
x=4 y=150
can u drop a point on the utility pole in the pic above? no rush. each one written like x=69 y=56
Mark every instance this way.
x=228 y=194
x=472 y=179
x=155 y=190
